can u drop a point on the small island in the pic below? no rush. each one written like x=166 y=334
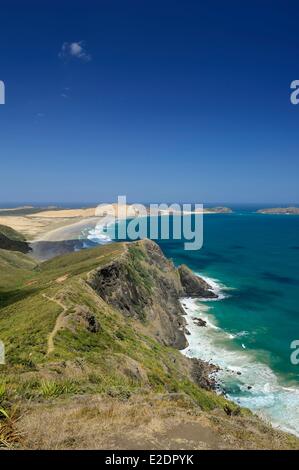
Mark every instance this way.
x=280 y=210
x=218 y=210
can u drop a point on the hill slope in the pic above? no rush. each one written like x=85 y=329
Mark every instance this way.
x=12 y=240
x=90 y=339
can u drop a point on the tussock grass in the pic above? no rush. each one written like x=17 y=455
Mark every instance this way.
x=50 y=388
x=143 y=421
x=10 y=436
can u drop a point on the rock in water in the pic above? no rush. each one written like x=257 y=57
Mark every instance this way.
x=193 y=285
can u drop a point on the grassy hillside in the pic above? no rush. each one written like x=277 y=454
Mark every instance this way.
x=16 y=268
x=58 y=287
x=12 y=240
x=73 y=356
x=16 y=274
x=11 y=233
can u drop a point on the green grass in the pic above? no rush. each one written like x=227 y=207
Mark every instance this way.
x=12 y=240
x=11 y=233
x=136 y=270
x=25 y=326
x=80 y=262
x=2 y=391
x=16 y=275
x=16 y=268
x=50 y=388
x=83 y=362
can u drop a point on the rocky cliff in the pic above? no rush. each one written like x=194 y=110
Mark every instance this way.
x=194 y=286
x=145 y=285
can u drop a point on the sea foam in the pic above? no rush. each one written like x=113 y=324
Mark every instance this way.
x=99 y=234
x=244 y=380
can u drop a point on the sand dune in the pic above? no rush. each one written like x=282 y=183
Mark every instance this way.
x=65 y=213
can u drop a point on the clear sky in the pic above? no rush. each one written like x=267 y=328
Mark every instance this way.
x=159 y=100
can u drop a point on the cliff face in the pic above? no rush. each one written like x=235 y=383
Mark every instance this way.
x=144 y=285
x=194 y=286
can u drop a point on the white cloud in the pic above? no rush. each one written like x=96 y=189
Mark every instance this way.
x=65 y=93
x=74 y=50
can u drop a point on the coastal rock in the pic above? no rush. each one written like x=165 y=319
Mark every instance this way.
x=86 y=318
x=193 y=285
x=143 y=284
x=80 y=317
x=203 y=374
x=199 y=321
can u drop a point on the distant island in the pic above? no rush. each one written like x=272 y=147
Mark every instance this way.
x=205 y=210
x=280 y=210
x=218 y=210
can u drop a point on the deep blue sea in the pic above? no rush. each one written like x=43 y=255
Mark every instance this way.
x=253 y=261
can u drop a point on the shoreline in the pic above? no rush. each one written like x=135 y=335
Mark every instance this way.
x=34 y=223
x=61 y=240
x=259 y=384
x=64 y=239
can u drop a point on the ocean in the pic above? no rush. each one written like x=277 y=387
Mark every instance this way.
x=252 y=261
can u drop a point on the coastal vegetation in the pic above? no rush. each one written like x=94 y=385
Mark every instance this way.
x=12 y=240
x=93 y=338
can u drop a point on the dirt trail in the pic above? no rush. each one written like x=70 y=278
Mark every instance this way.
x=58 y=324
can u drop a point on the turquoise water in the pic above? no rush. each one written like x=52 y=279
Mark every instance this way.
x=257 y=256
x=254 y=258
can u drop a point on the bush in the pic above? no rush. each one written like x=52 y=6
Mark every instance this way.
x=49 y=388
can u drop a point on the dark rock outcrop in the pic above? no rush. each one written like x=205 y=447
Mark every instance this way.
x=199 y=321
x=203 y=374
x=84 y=317
x=143 y=284
x=193 y=285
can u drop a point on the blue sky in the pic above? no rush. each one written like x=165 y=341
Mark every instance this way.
x=158 y=100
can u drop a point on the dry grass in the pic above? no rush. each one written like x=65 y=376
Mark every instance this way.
x=142 y=422
x=88 y=423
x=10 y=435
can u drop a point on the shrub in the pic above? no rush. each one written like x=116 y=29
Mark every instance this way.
x=50 y=388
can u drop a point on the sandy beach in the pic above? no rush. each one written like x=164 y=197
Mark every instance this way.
x=40 y=224
x=61 y=240
x=54 y=232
